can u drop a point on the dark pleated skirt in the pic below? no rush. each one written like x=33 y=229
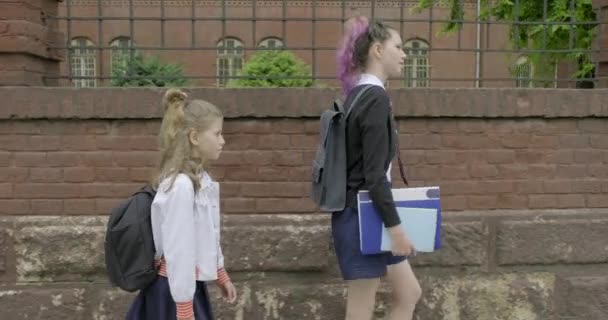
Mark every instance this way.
x=156 y=303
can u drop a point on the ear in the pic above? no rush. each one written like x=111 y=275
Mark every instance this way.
x=377 y=49
x=193 y=137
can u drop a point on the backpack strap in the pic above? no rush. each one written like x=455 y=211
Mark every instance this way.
x=354 y=103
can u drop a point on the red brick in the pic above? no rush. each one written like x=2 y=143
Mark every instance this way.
x=531 y=156
x=250 y=126
x=11 y=174
x=483 y=171
x=44 y=143
x=434 y=172
x=135 y=158
x=440 y=157
x=80 y=174
x=273 y=189
x=135 y=127
x=79 y=206
x=511 y=201
x=238 y=205
x=5 y=159
x=512 y=171
x=257 y=158
x=13 y=142
x=285 y=205
x=496 y=186
x=482 y=202
x=586 y=186
x=105 y=206
x=573 y=141
x=541 y=201
x=108 y=190
x=241 y=174
x=30 y=159
x=597 y=201
x=411 y=157
x=230 y=189
x=45 y=175
x=143 y=174
x=561 y=157
x=47 y=190
x=303 y=142
x=290 y=158
x=111 y=174
x=74 y=127
x=593 y=125
x=420 y=141
x=541 y=171
x=313 y=127
x=557 y=186
x=97 y=159
x=453 y=202
x=459 y=187
x=561 y=126
x=473 y=126
x=500 y=156
x=6 y=190
x=515 y=141
x=274 y=173
x=443 y=126
x=527 y=187
x=544 y=142
x=20 y=127
x=127 y=143
x=413 y=126
x=14 y=206
x=243 y=142
x=571 y=171
x=54 y=207
x=231 y=158
x=288 y=126
x=571 y=201
x=78 y=143
x=599 y=141
x=63 y=159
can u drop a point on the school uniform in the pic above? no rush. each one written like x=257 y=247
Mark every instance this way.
x=186 y=230
x=371 y=144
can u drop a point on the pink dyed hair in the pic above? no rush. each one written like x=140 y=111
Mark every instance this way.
x=348 y=70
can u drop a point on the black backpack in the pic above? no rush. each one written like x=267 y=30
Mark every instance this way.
x=329 y=165
x=129 y=244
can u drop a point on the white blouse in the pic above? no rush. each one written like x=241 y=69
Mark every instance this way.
x=186 y=230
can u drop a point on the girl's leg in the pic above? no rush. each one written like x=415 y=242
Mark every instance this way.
x=361 y=298
x=406 y=290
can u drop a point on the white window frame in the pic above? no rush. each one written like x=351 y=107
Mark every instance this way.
x=83 y=62
x=230 y=58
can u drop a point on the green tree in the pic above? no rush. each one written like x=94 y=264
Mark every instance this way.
x=146 y=71
x=273 y=69
x=560 y=39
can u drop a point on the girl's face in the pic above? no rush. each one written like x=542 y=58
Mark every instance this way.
x=392 y=56
x=209 y=143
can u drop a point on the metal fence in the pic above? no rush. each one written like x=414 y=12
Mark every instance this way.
x=523 y=43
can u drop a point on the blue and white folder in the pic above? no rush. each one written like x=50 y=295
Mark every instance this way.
x=420 y=213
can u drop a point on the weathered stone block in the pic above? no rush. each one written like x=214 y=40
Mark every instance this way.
x=584 y=298
x=60 y=253
x=462 y=244
x=552 y=242
x=108 y=304
x=42 y=303
x=499 y=297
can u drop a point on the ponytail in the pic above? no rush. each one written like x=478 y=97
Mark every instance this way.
x=348 y=68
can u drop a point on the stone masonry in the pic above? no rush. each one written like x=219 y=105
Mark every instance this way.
x=522 y=174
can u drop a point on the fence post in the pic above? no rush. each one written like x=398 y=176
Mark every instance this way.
x=601 y=58
x=27 y=37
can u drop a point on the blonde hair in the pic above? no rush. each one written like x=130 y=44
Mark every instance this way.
x=176 y=152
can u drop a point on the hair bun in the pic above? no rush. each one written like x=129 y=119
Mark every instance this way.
x=174 y=96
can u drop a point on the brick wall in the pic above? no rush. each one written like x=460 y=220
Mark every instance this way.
x=522 y=174
x=77 y=152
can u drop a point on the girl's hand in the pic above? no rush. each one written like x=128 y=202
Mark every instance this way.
x=228 y=291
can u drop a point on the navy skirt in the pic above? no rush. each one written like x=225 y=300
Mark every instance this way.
x=354 y=264
x=156 y=303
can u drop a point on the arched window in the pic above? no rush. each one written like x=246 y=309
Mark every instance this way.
x=271 y=43
x=120 y=52
x=523 y=72
x=229 y=59
x=416 y=72
x=83 y=63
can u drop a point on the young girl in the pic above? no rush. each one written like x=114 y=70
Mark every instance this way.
x=185 y=215
x=371 y=53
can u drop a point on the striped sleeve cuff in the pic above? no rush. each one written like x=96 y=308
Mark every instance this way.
x=185 y=310
x=222 y=276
